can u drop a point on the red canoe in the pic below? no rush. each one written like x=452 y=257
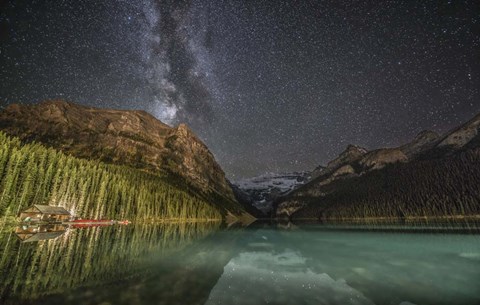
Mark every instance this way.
x=82 y=223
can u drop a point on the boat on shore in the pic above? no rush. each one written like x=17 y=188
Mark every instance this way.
x=82 y=223
x=46 y=214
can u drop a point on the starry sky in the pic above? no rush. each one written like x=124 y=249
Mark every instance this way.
x=269 y=86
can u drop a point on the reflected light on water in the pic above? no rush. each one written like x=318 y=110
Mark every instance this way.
x=206 y=263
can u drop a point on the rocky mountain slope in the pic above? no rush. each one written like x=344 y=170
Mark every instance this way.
x=423 y=141
x=127 y=137
x=430 y=176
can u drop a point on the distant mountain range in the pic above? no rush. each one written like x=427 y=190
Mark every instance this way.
x=262 y=190
x=432 y=175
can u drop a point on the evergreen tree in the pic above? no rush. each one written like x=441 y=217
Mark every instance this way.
x=32 y=174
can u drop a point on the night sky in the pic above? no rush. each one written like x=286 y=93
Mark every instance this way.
x=269 y=86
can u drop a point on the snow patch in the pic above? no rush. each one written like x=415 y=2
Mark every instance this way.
x=266 y=188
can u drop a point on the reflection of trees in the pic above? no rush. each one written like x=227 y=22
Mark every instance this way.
x=186 y=277
x=35 y=233
x=88 y=257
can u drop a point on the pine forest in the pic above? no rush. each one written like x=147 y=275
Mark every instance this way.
x=33 y=174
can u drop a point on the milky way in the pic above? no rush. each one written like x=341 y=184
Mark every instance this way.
x=268 y=85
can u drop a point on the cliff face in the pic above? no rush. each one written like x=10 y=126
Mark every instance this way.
x=379 y=158
x=431 y=175
x=127 y=137
x=193 y=159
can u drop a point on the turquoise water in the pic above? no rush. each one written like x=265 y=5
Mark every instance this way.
x=261 y=264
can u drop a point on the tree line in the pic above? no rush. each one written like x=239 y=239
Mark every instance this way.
x=34 y=174
x=441 y=187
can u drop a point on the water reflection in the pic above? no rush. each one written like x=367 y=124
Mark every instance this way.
x=27 y=233
x=204 y=263
x=319 y=264
x=287 y=279
x=64 y=259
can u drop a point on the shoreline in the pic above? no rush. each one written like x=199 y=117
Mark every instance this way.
x=385 y=219
x=14 y=223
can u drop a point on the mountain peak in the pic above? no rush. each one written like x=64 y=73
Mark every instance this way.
x=353 y=150
x=350 y=154
x=422 y=142
x=184 y=130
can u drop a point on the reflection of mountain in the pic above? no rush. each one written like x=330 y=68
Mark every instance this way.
x=313 y=265
x=249 y=275
x=185 y=264
x=185 y=277
x=88 y=258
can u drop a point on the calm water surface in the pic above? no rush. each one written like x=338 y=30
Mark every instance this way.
x=206 y=263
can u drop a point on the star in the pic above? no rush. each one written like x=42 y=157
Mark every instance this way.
x=267 y=86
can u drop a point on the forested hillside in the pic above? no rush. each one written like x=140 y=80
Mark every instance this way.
x=121 y=137
x=432 y=188
x=33 y=174
x=430 y=176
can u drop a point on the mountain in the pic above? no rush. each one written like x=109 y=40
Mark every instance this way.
x=432 y=175
x=126 y=137
x=262 y=190
x=34 y=174
x=351 y=154
x=464 y=137
x=422 y=142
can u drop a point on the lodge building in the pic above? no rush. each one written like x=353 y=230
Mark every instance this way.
x=44 y=213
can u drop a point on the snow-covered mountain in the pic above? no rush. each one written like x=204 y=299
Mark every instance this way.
x=264 y=189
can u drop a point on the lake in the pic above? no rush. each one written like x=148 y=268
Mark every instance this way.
x=265 y=263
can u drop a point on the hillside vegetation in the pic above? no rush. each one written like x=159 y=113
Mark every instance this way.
x=33 y=174
x=430 y=176
x=432 y=188
x=122 y=137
